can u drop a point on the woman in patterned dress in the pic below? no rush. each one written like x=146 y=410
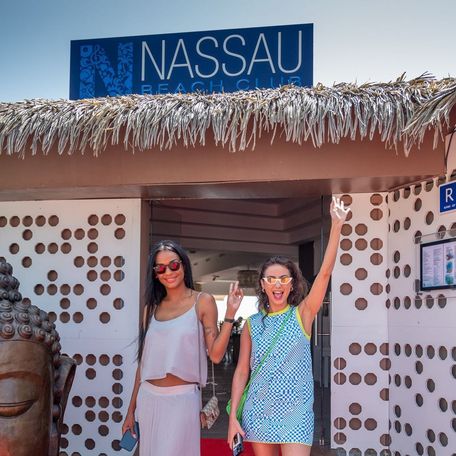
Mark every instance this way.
x=278 y=411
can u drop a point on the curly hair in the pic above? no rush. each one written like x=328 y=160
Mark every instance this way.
x=298 y=291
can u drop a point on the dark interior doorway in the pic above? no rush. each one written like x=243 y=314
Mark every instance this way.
x=225 y=238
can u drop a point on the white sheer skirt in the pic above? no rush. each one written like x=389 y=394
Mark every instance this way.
x=169 y=420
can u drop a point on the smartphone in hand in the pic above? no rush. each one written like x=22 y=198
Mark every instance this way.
x=238 y=444
x=128 y=442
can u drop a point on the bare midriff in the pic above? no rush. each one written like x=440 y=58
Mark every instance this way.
x=169 y=380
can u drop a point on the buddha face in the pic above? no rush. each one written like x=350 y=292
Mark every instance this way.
x=26 y=398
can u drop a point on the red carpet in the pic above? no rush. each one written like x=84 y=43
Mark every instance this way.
x=219 y=447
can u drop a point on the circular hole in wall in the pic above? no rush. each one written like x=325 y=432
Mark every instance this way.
x=119 y=219
x=118 y=303
x=376 y=199
x=92 y=219
x=105 y=289
x=345 y=289
x=430 y=434
x=78 y=261
x=443 y=353
x=65 y=248
x=91 y=303
x=376 y=259
x=40 y=220
x=361 y=244
x=66 y=234
x=419 y=367
x=355 y=424
x=340 y=423
x=92 y=233
x=346 y=259
x=354 y=348
x=15 y=221
x=92 y=261
x=360 y=303
x=119 y=261
x=346 y=229
x=407 y=223
x=340 y=363
x=429 y=218
x=92 y=247
x=443 y=404
x=441 y=301
x=370 y=379
x=384 y=394
x=105 y=317
x=361 y=274
x=443 y=438
x=419 y=400
x=376 y=214
x=430 y=351
x=64 y=303
x=53 y=248
x=370 y=424
x=355 y=408
x=53 y=220
x=376 y=244
x=106 y=219
x=361 y=229
x=340 y=378
x=376 y=289
x=26 y=262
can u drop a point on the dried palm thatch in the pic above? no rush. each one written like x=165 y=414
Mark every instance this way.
x=398 y=111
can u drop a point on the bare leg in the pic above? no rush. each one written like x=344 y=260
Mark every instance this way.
x=265 y=449
x=295 y=449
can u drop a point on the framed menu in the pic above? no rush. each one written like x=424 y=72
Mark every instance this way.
x=437 y=265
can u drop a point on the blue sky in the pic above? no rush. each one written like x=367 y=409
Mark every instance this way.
x=354 y=40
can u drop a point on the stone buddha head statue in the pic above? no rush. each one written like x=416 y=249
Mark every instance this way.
x=35 y=379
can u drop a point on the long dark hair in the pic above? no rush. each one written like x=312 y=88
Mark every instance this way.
x=299 y=288
x=155 y=291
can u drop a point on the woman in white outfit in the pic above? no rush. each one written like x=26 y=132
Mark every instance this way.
x=172 y=361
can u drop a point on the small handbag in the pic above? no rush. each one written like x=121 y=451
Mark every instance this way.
x=240 y=407
x=211 y=410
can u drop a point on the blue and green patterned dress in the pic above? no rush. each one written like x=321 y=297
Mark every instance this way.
x=279 y=404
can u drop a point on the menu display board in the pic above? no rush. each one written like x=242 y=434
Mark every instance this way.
x=437 y=265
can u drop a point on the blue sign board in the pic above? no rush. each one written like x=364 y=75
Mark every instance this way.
x=214 y=61
x=447 y=197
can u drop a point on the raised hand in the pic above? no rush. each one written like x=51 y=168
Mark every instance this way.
x=338 y=210
x=234 y=298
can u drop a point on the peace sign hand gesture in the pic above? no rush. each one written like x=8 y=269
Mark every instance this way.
x=338 y=211
x=234 y=299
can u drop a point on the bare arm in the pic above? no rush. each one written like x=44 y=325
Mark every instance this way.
x=311 y=304
x=216 y=342
x=129 y=422
x=240 y=379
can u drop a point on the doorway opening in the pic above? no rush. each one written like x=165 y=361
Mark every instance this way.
x=228 y=240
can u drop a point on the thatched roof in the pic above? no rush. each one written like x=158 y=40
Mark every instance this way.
x=399 y=111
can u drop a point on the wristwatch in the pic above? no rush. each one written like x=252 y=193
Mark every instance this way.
x=229 y=320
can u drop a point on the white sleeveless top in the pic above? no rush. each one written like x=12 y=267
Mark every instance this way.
x=172 y=346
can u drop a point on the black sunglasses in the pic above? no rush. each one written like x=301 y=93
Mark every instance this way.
x=173 y=265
